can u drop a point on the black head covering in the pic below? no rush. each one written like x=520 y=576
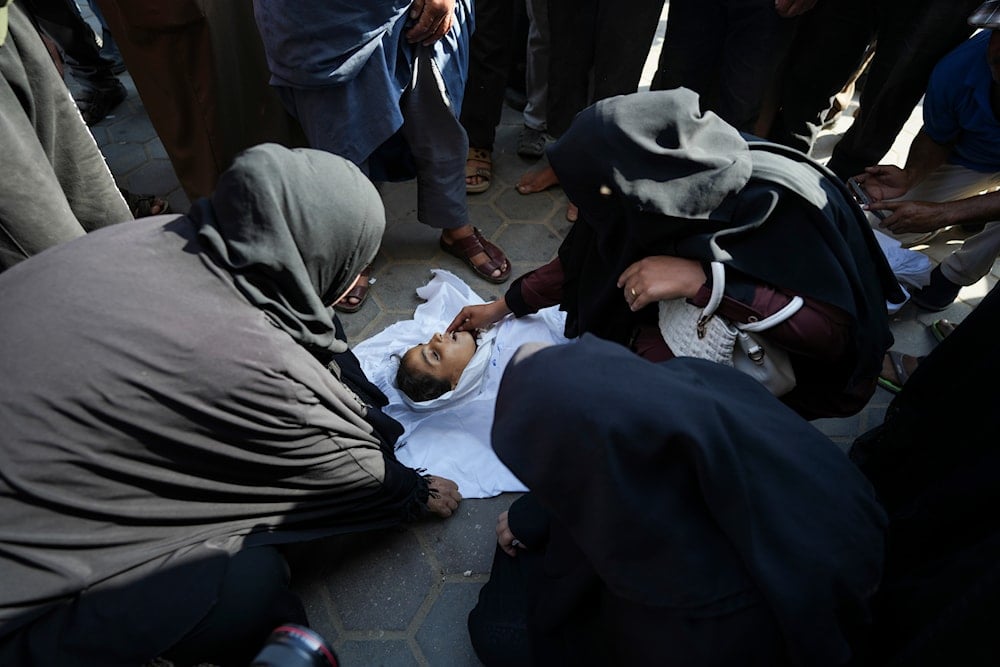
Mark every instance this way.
x=678 y=481
x=653 y=175
x=294 y=227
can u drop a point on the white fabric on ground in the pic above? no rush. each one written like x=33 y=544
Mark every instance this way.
x=450 y=436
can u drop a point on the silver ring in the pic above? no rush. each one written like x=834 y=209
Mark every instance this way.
x=515 y=542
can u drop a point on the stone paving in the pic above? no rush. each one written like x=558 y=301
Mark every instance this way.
x=400 y=597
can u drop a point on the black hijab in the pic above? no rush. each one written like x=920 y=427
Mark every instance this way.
x=294 y=227
x=653 y=175
x=680 y=481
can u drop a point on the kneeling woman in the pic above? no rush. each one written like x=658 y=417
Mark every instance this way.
x=668 y=195
x=177 y=400
x=679 y=514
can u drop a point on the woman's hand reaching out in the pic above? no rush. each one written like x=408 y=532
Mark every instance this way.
x=505 y=538
x=444 y=496
x=660 y=278
x=483 y=316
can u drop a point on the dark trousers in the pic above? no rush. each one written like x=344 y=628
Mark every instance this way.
x=727 y=51
x=597 y=50
x=491 y=52
x=253 y=600
x=934 y=463
x=61 y=20
x=828 y=50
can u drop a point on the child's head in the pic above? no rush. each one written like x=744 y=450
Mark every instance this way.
x=433 y=368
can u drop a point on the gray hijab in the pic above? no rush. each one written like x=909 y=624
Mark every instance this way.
x=294 y=227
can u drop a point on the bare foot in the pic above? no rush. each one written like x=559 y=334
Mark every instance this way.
x=537 y=180
x=572 y=212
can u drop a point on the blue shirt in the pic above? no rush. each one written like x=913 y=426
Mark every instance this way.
x=957 y=106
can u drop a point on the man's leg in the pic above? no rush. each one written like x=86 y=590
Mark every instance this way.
x=440 y=146
x=490 y=52
x=622 y=45
x=56 y=184
x=571 y=56
x=62 y=21
x=975 y=257
x=755 y=40
x=691 y=48
x=912 y=38
x=531 y=142
x=829 y=47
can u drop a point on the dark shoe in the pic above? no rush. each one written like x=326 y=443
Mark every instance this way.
x=515 y=99
x=531 y=143
x=143 y=206
x=941 y=329
x=96 y=104
x=937 y=295
x=353 y=300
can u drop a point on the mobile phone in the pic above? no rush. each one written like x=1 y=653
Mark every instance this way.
x=862 y=197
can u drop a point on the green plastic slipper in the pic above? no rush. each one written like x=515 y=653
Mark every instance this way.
x=899 y=370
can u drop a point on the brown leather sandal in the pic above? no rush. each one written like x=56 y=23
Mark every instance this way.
x=358 y=292
x=478 y=164
x=468 y=247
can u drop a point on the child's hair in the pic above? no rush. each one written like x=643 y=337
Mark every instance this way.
x=419 y=386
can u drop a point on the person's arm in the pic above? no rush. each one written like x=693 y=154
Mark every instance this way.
x=923 y=216
x=815 y=330
x=887 y=181
x=528 y=294
x=659 y=278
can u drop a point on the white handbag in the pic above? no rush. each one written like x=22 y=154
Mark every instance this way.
x=690 y=332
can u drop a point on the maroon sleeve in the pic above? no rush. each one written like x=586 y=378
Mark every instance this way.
x=536 y=289
x=817 y=330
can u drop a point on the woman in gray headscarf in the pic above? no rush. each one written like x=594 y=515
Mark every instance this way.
x=177 y=399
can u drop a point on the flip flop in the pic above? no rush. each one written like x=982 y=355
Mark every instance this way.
x=899 y=369
x=359 y=292
x=479 y=163
x=941 y=329
x=468 y=247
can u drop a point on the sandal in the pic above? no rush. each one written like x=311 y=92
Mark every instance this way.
x=469 y=246
x=479 y=165
x=142 y=206
x=895 y=386
x=941 y=329
x=359 y=293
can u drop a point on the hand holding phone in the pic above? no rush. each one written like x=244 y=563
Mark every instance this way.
x=863 y=198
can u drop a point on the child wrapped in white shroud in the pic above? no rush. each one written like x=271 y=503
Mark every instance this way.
x=450 y=435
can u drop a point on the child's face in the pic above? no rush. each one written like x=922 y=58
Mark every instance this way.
x=444 y=356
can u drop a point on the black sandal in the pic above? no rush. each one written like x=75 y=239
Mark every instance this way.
x=142 y=205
